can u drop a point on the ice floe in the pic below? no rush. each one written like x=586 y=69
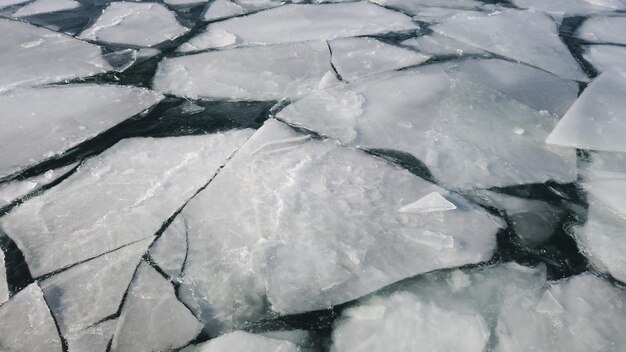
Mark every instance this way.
x=606 y=30
x=606 y=57
x=563 y=8
x=417 y=6
x=308 y=224
x=11 y=191
x=46 y=6
x=41 y=123
x=140 y=24
x=219 y=9
x=95 y=338
x=139 y=181
x=437 y=44
x=239 y=341
x=170 y=250
x=466 y=134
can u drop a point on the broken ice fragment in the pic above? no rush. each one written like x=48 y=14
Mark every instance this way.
x=95 y=338
x=221 y=9
x=606 y=57
x=46 y=6
x=26 y=323
x=239 y=341
x=302 y=22
x=16 y=189
x=39 y=123
x=140 y=24
x=429 y=203
x=437 y=44
x=416 y=6
x=606 y=30
x=139 y=181
x=170 y=249
x=564 y=8
x=597 y=120
x=528 y=36
x=257 y=73
x=152 y=318
x=4 y=288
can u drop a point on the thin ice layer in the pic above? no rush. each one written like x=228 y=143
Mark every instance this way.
x=46 y=6
x=85 y=294
x=40 y=123
x=309 y=224
x=356 y=58
x=16 y=189
x=526 y=36
x=139 y=181
x=4 y=288
x=34 y=55
x=597 y=120
x=496 y=142
x=301 y=22
x=239 y=341
x=152 y=318
x=26 y=323
x=606 y=57
x=606 y=29
x=140 y=24
x=257 y=73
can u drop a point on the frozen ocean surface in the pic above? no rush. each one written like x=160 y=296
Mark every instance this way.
x=312 y=175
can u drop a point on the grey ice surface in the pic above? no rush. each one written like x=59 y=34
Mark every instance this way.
x=11 y=191
x=4 y=289
x=606 y=57
x=46 y=6
x=239 y=341
x=604 y=29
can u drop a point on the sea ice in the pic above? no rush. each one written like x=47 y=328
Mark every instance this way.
x=466 y=134
x=46 y=6
x=416 y=6
x=308 y=224
x=239 y=341
x=597 y=119
x=565 y=7
x=256 y=73
x=16 y=189
x=527 y=36
x=139 y=181
x=140 y=24
x=439 y=45
x=606 y=30
x=356 y=58
x=222 y=9
x=4 y=288
x=95 y=338
x=40 y=123
x=606 y=57
x=6 y=3
x=170 y=250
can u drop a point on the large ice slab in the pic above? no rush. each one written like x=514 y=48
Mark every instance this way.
x=239 y=341
x=140 y=24
x=33 y=55
x=152 y=318
x=257 y=73
x=356 y=58
x=87 y=293
x=606 y=57
x=607 y=30
x=126 y=193
x=46 y=6
x=4 y=288
x=301 y=22
x=16 y=189
x=496 y=142
x=40 y=123
x=597 y=120
x=310 y=224
x=26 y=323
x=527 y=36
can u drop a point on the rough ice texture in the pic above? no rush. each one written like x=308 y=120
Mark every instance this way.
x=11 y=191
x=95 y=338
x=256 y=73
x=356 y=58
x=239 y=341
x=46 y=6
x=308 y=224
x=88 y=292
x=301 y=22
x=416 y=6
x=533 y=87
x=40 y=123
x=4 y=288
x=608 y=30
x=221 y=9
x=606 y=57
x=527 y=36
x=437 y=44
x=597 y=120
x=496 y=142
x=140 y=24
x=26 y=323
x=33 y=55
x=139 y=181
x=566 y=7
x=152 y=318
x=170 y=250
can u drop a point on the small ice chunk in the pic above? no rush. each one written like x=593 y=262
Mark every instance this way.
x=14 y=190
x=95 y=338
x=355 y=58
x=239 y=341
x=527 y=36
x=140 y=24
x=46 y=6
x=26 y=323
x=222 y=9
x=606 y=30
x=4 y=288
x=152 y=318
x=34 y=55
x=606 y=57
x=597 y=120
x=429 y=203
x=122 y=59
x=170 y=249
x=302 y=22
x=439 y=45
x=256 y=73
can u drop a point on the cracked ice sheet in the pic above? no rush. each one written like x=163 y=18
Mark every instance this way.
x=152 y=318
x=16 y=189
x=26 y=323
x=496 y=142
x=40 y=123
x=526 y=36
x=33 y=55
x=310 y=224
x=511 y=305
x=46 y=6
x=301 y=22
x=139 y=181
x=606 y=57
x=257 y=73
x=606 y=30
x=568 y=7
x=356 y=58
x=140 y=24
x=597 y=119
x=240 y=341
